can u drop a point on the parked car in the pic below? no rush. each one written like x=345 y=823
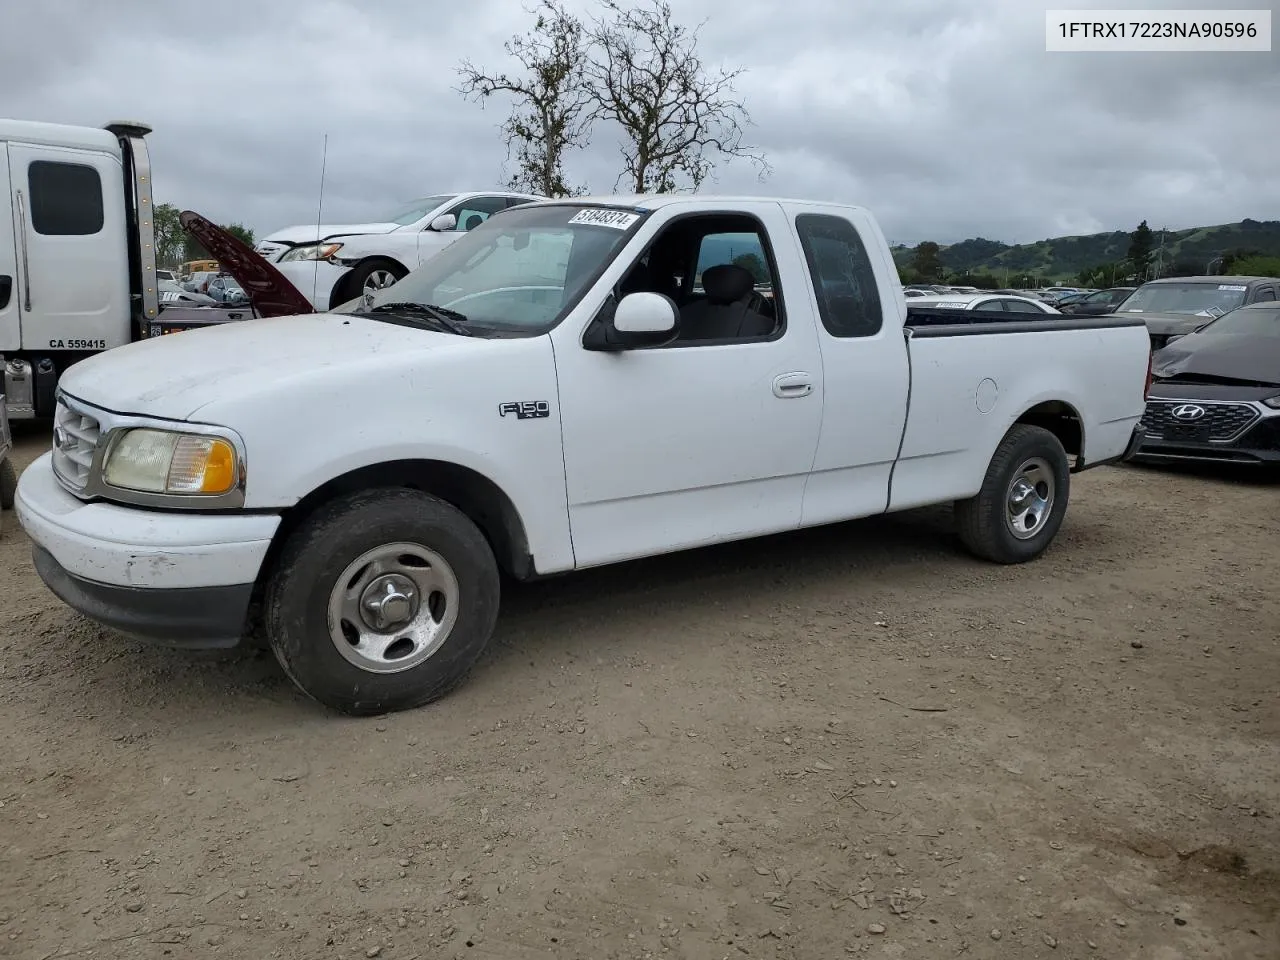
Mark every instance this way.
x=172 y=292
x=548 y=394
x=1096 y=304
x=165 y=275
x=335 y=263
x=1176 y=306
x=1215 y=393
x=984 y=301
x=199 y=281
x=224 y=289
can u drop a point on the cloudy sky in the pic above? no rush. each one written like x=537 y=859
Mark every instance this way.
x=948 y=120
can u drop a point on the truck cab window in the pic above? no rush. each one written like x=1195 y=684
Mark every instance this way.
x=720 y=272
x=66 y=199
x=843 y=278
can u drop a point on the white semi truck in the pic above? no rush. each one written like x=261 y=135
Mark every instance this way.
x=78 y=259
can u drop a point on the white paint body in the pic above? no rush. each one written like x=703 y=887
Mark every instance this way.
x=406 y=245
x=67 y=292
x=644 y=452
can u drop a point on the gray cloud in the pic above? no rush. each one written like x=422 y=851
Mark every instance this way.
x=946 y=120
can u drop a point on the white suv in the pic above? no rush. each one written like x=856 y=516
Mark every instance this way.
x=338 y=262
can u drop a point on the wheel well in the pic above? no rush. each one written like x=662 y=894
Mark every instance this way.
x=482 y=500
x=1062 y=420
x=342 y=291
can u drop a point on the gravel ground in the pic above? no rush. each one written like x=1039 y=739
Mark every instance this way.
x=854 y=741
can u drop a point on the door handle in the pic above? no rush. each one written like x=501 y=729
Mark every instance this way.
x=26 y=260
x=790 y=385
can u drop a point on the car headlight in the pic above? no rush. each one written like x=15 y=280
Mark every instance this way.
x=1273 y=402
x=312 y=251
x=170 y=462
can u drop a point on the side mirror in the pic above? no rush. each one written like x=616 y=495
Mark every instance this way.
x=639 y=320
x=444 y=223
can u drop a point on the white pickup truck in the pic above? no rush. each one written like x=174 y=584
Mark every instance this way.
x=560 y=388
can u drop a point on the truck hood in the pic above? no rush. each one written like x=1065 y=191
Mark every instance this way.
x=270 y=293
x=174 y=377
x=1250 y=360
x=313 y=234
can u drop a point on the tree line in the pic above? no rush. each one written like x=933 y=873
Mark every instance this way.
x=1143 y=261
x=174 y=245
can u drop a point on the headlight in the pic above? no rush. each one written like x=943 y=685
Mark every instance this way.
x=313 y=251
x=168 y=462
x=1273 y=402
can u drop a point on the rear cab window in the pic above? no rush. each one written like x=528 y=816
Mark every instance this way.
x=842 y=275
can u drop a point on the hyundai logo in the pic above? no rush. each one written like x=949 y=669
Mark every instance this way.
x=1188 y=411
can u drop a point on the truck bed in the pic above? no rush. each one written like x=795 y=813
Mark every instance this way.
x=949 y=322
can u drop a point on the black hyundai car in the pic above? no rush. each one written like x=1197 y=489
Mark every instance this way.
x=1215 y=393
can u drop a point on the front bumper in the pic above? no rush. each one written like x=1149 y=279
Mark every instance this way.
x=1258 y=445
x=315 y=279
x=181 y=578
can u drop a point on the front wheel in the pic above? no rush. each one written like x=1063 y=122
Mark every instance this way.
x=382 y=601
x=1023 y=499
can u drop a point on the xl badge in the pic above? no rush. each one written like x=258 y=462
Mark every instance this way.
x=525 y=409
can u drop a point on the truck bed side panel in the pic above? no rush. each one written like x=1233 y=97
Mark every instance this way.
x=970 y=385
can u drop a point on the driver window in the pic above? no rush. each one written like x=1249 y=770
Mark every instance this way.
x=471 y=213
x=719 y=270
x=1017 y=306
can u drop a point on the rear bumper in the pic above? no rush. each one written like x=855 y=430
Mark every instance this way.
x=1136 y=438
x=194 y=618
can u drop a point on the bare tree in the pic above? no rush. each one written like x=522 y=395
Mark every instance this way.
x=679 y=117
x=551 y=114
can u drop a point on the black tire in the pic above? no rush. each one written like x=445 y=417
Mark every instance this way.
x=316 y=556
x=984 y=522
x=352 y=285
x=8 y=483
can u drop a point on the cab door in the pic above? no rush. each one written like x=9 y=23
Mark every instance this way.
x=10 y=322
x=70 y=231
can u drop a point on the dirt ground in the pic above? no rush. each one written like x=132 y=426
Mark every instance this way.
x=851 y=741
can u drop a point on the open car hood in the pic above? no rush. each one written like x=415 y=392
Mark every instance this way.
x=270 y=294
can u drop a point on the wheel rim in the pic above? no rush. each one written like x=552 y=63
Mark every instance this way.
x=393 y=607
x=1030 y=499
x=378 y=280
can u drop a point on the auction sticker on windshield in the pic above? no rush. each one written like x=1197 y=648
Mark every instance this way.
x=618 y=219
x=1232 y=286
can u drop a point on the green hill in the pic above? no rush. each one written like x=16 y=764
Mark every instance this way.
x=1061 y=258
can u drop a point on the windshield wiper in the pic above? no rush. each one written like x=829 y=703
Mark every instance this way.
x=450 y=320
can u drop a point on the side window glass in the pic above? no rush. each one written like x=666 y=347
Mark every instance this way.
x=991 y=305
x=66 y=199
x=719 y=270
x=740 y=249
x=471 y=213
x=1017 y=306
x=842 y=275
x=1266 y=294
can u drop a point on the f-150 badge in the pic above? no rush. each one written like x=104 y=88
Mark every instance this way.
x=525 y=409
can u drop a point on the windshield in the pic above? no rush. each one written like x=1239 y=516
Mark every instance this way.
x=1193 y=299
x=520 y=270
x=415 y=210
x=1246 y=322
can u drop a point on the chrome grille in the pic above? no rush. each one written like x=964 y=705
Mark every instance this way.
x=1221 y=422
x=75 y=439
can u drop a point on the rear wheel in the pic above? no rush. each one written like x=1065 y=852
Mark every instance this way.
x=1023 y=499
x=382 y=601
